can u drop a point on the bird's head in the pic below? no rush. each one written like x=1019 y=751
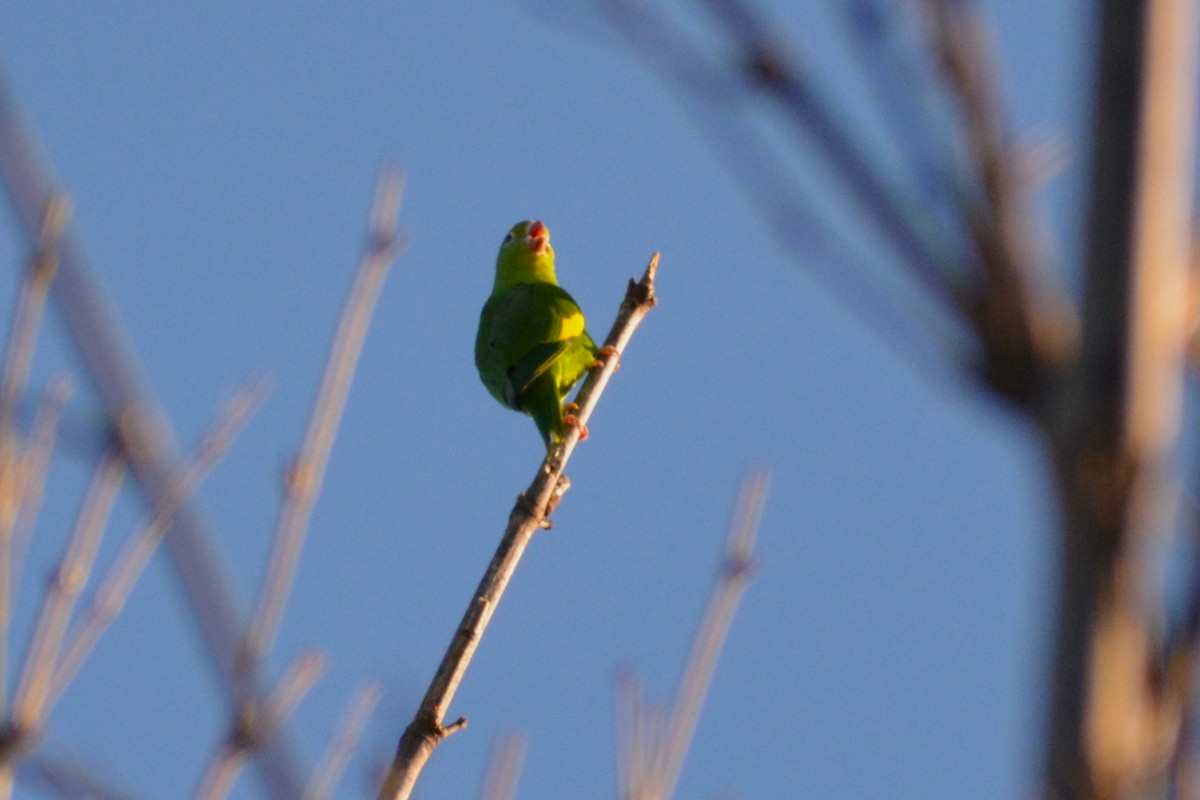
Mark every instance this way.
x=525 y=255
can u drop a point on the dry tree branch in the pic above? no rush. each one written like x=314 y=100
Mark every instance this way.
x=58 y=777
x=31 y=301
x=333 y=763
x=1109 y=735
x=530 y=513
x=1020 y=312
x=710 y=95
x=108 y=358
x=764 y=62
x=253 y=726
x=35 y=463
x=67 y=582
x=134 y=556
x=736 y=571
x=304 y=477
x=651 y=748
x=18 y=356
x=635 y=729
x=504 y=767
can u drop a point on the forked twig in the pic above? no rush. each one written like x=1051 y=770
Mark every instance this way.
x=122 y=388
x=134 y=556
x=427 y=729
x=253 y=726
x=35 y=463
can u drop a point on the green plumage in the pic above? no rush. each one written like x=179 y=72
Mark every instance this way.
x=532 y=347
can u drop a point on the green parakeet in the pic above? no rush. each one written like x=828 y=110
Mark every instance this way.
x=532 y=347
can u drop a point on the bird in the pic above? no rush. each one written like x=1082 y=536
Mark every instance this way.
x=532 y=345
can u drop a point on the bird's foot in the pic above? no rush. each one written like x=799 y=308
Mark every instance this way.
x=573 y=421
x=571 y=408
x=525 y=505
x=603 y=355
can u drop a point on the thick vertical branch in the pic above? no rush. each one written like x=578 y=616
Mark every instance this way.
x=427 y=729
x=1118 y=423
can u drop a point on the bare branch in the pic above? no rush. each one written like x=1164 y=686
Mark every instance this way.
x=67 y=779
x=109 y=360
x=18 y=356
x=333 y=763
x=111 y=596
x=69 y=580
x=254 y=726
x=633 y=750
x=304 y=479
x=21 y=492
x=713 y=98
x=1108 y=736
x=710 y=638
x=35 y=463
x=427 y=729
x=31 y=300
x=1020 y=312
x=504 y=767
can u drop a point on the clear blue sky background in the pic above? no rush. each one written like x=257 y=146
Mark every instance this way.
x=894 y=643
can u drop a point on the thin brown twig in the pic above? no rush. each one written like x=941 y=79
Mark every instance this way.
x=253 y=726
x=132 y=560
x=306 y=474
x=333 y=763
x=427 y=729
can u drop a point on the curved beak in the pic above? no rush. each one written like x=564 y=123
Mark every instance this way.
x=538 y=236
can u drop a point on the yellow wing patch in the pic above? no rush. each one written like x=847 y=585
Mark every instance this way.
x=571 y=326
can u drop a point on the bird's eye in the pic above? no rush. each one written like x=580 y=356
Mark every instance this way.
x=508 y=239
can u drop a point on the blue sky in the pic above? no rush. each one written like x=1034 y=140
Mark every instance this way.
x=222 y=159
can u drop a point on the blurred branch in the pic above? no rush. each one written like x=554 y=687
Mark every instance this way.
x=333 y=763
x=763 y=61
x=1024 y=318
x=712 y=95
x=35 y=463
x=135 y=555
x=18 y=356
x=531 y=512
x=504 y=767
x=736 y=571
x=1109 y=735
x=650 y=756
x=67 y=582
x=107 y=356
x=307 y=472
x=63 y=778
x=253 y=726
